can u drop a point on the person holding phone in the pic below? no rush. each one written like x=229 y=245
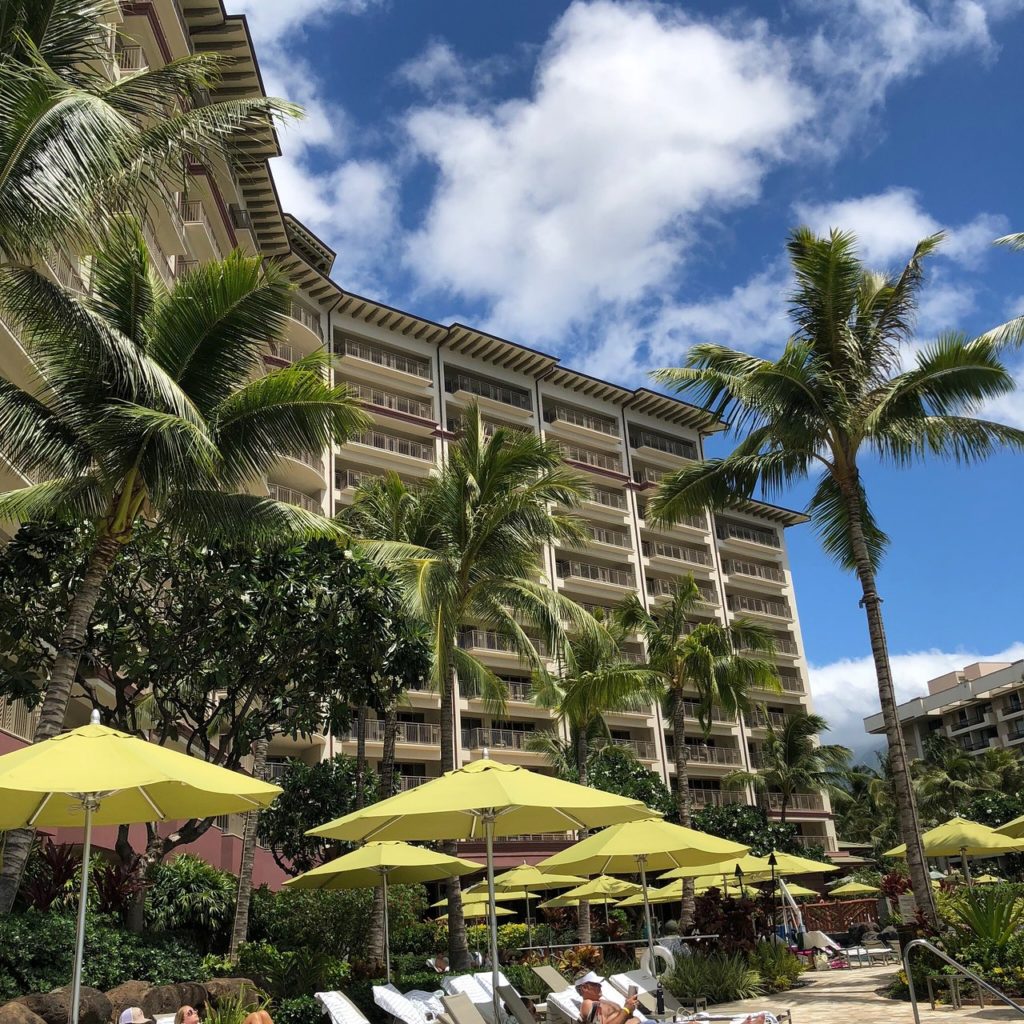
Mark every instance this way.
x=596 y=1010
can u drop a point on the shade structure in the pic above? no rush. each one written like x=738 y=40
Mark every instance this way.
x=603 y=885
x=801 y=891
x=987 y=880
x=380 y=864
x=477 y=910
x=637 y=847
x=473 y=896
x=485 y=798
x=854 y=889
x=1014 y=829
x=99 y=776
x=671 y=893
x=961 y=838
x=786 y=864
x=526 y=877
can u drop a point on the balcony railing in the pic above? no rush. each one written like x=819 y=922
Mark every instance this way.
x=759 y=718
x=599 y=573
x=194 y=212
x=791 y=684
x=159 y=260
x=488 y=640
x=309 y=318
x=667 y=588
x=661 y=443
x=635 y=657
x=397 y=445
x=283 y=351
x=589 y=457
x=715 y=797
x=677 y=552
x=737 y=567
x=519 y=690
x=736 y=531
x=610 y=499
x=783 y=645
x=131 y=58
x=512 y=739
x=311 y=459
x=579 y=418
x=692 y=710
x=65 y=270
x=644 y=749
x=274 y=770
x=646 y=475
x=797 y=802
x=616 y=538
x=421 y=733
x=345 y=478
x=695 y=522
x=385 y=357
x=407 y=782
x=1013 y=705
x=293 y=497
x=389 y=400
x=183 y=266
x=760 y=605
x=16 y=719
x=487 y=389
x=457 y=424
x=697 y=753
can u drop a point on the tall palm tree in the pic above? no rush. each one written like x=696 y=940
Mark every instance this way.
x=481 y=525
x=793 y=761
x=75 y=147
x=154 y=404
x=835 y=396
x=596 y=679
x=702 y=662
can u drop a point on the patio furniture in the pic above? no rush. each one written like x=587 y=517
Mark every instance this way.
x=401 y=1007
x=518 y=1007
x=955 y=982
x=340 y=1008
x=462 y=1010
x=646 y=986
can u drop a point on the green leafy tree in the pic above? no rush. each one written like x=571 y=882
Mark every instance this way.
x=618 y=770
x=835 y=396
x=473 y=557
x=792 y=761
x=156 y=406
x=311 y=794
x=749 y=826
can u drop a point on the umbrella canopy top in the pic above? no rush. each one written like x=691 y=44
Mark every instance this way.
x=854 y=889
x=603 y=885
x=363 y=868
x=529 y=876
x=471 y=897
x=960 y=836
x=1014 y=829
x=479 y=910
x=455 y=805
x=801 y=891
x=134 y=781
x=655 y=844
x=671 y=893
x=754 y=867
x=986 y=880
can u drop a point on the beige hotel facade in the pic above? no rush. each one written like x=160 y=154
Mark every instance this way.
x=416 y=378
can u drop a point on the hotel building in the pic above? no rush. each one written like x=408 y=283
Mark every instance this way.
x=416 y=378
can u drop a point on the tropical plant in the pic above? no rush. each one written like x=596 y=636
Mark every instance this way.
x=777 y=968
x=473 y=557
x=947 y=778
x=616 y=769
x=700 y=660
x=156 y=406
x=792 y=761
x=749 y=826
x=718 y=977
x=836 y=395
x=987 y=913
x=187 y=894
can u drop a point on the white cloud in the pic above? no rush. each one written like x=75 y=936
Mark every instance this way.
x=437 y=70
x=846 y=691
x=269 y=20
x=888 y=224
x=588 y=193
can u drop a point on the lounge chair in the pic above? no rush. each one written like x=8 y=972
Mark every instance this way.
x=340 y=1008
x=401 y=1007
x=518 y=1008
x=557 y=982
x=462 y=1010
x=564 y=1007
x=646 y=989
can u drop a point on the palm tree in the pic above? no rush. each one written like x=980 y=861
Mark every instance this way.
x=700 y=660
x=596 y=679
x=793 y=761
x=474 y=557
x=153 y=404
x=75 y=146
x=947 y=778
x=836 y=394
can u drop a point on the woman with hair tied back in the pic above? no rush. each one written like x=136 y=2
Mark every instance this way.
x=186 y=1015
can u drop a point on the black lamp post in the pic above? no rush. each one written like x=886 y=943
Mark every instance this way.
x=739 y=880
x=772 y=862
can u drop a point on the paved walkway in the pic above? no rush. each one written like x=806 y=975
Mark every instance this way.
x=852 y=997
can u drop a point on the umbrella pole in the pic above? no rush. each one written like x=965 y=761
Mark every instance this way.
x=387 y=929
x=529 y=930
x=76 y=980
x=642 y=861
x=489 y=834
x=964 y=865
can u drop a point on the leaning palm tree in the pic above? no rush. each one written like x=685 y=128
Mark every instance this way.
x=476 y=558
x=701 y=661
x=154 y=405
x=792 y=761
x=837 y=395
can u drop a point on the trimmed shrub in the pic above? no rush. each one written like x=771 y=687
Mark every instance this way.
x=718 y=978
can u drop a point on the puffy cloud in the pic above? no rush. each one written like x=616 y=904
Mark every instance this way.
x=846 y=691
x=269 y=20
x=588 y=193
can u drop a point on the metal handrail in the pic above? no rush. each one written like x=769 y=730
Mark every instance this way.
x=980 y=982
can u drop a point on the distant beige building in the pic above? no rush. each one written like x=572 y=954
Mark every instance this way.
x=978 y=707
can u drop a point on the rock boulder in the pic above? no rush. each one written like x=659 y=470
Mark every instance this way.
x=128 y=993
x=18 y=1013
x=225 y=990
x=55 y=1007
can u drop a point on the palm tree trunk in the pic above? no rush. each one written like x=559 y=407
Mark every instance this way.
x=687 y=906
x=240 y=930
x=58 y=694
x=583 y=907
x=910 y=826
x=458 y=942
x=361 y=756
x=387 y=787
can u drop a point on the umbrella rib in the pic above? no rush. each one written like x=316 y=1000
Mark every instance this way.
x=149 y=800
x=39 y=810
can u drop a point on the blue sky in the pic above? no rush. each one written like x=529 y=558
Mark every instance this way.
x=612 y=181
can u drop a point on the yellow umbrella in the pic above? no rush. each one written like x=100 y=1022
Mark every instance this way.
x=961 y=838
x=1014 y=829
x=987 y=880
x=479 y=910
x=638 y=846
x=799 y=892
x=603 y=885
x=526 y=876
x=474 y=895
x=378 y=863
x=670 y=893
x=491 y=799
x=854 y=889
x=99 y=776
x=786 y=864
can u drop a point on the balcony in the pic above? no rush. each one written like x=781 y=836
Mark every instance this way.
x=65 y=271
x=797 y=802
x=590 y=458
x=400 y=446
x=758 y=605
x=1012 y=706
x=676 y=552
x=498 y=739
x=274 y=770
x=158 y=259
x=491 y=391
x=646 y=750
x=789 y=683
x=700 y=798
x=654 y=442
x=698 y=753
x=457 y=425
x=183 y=266
x=971 y=720
x=305 y=470
x=131 y=59
x=193 y=214
x=759 y=719
x=293 y=497
x=692 y=711
x=755 y=570
x=607 y=500
x=647 y=476
x=407 y=782
x=579 y=418
x=351 y=478
x=667 y=588
x=519 y=690
x=498 y=643
x=613 y=538
x=683 y=522
x=389 y=400
x=17 y=720
x=418 y=733
x=747 y=534
x=1016 y=733
x=308 y=318
x=568 y=569
x=385 y=359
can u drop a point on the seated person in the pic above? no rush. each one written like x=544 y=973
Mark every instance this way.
x=186 y=1015
x=596 y=1010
